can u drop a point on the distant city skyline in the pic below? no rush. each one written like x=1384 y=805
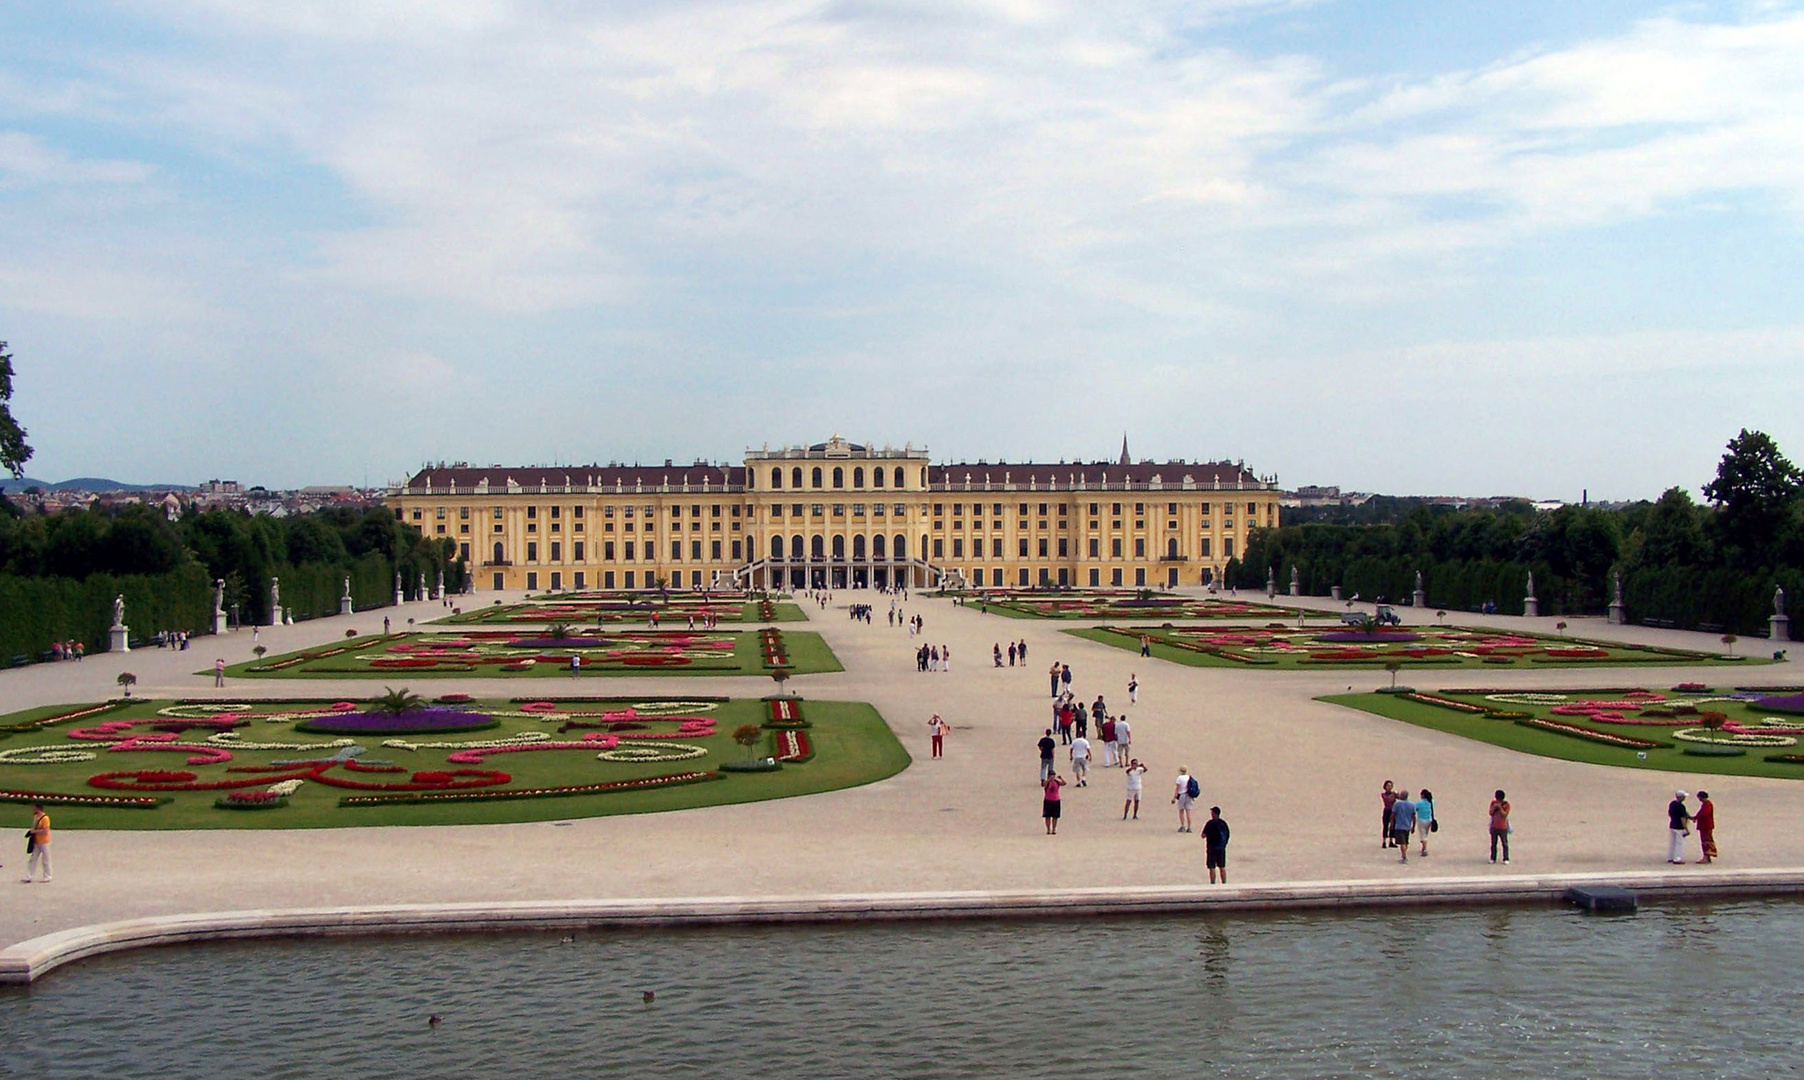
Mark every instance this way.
x=1536 y=248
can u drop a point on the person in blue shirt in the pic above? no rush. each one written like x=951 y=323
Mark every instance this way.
x=1403 y=823
x=1424 y=817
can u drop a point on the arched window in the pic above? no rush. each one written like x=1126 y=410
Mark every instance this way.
x=795 y=548
x=877 y=542
x=776 y=547
x=820 y=547
x=901 y=550
x=817 y=476
x=1171 y=547
x=795 y=477
x=499 y=552
x=858 y=547
x=839 y=477
x=877 y=477
x=857 y=478
x=899 y=476
x=839 y=547
x=776 y=478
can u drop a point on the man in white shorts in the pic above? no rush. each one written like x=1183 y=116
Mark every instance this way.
x=1136 y=774
x=1184 y=794
x=1123 y=737
x=1080 y=761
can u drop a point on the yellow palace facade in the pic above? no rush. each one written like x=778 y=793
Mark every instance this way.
x=840 y=515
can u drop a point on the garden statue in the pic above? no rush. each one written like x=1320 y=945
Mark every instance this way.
x=439 y=593
x=421 y=594
x=344 y=600
x=219 y=612
x=1271 y=583
x=1296 y=589
x=1778 y=600
x=398 y=597
x=1420 y=598
x=119 y=638
x=275 y=601
x=1530 y=606
x=1616 y=609
x=1778 y=626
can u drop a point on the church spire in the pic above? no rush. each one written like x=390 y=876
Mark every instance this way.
x=1125 y=460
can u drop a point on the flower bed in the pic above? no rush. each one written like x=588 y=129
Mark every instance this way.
x=63 y=717
x=251 y=800
x=794 y=746
x=770 y=644
x=531 y=793
x=412 y=722
x=57 y=798
x=784 y=713
x=1789 y=703
x=1592 y=734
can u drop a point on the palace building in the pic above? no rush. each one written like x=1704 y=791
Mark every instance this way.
x=840 y=515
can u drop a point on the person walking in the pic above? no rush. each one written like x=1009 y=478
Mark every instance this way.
x=1215 y=845
x=1053 y=674
x=946 y=659
x=1124 y=737
x=1146 y=645
x=1021 y=647
x=1500 y=826
x=996 y=652
x=219 y=672
x=1184 y=794
x=1133 y=689
x=1065 y=675
x=1425 y=822
x=1011 y=654
x=1136 y=779
x=1049 y=803
x=937 y=728
x=1678 y=827
x=1081 y=716
x=1080 y=762
x=1705 y=820
x=1403 y=824
x=1389 y=798
x=1047 y=746
x=38 y=845
x=1105 y=729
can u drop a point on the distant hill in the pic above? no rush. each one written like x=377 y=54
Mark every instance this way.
x=86 y=483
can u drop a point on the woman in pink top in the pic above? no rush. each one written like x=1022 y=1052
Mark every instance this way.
x=1049 y=808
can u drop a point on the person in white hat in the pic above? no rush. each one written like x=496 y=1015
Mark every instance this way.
x=1678 y=827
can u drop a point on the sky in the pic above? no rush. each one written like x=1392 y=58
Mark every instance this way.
x=1536 y=248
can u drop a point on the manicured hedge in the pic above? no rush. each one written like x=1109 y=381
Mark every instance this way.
x=36 y=611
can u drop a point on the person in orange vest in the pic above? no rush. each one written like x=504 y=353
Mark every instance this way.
x=39 y=844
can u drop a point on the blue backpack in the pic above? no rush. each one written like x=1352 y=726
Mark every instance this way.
x=1193 y=789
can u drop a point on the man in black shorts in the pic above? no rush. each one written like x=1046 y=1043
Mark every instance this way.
x=1215 y=845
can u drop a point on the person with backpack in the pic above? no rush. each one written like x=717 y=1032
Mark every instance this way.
x=1184 y=793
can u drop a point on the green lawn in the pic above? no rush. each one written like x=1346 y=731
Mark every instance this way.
x=1529 y=740
x=851 y=745
x=1120 y=604
x=1289 y=648
x=525 y=653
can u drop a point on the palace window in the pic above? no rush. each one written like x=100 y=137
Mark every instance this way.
x=839 y=510
x=1252 y=509
x=1095 y=548
x=497 y=513
x=439 y=514
x=776 y=510
x=1139 y=547
x=1023 y=544
x=555 y=511
x=900 y=510
x=776 y=479
x=463 y=513
x=1171 y=508
x=629 y=551
x=463 y=529
x=795 y=509
x=795 y=477
x=695 y=550
x=557 y=551
x=839 y=478
x=1042 y=547
x=877 y=477
x=857 y=509
x=1115 y=509
x=1205 y=551
x=532 y=526
x=1064 y=547
x=816 y=476
x=1227 y=547
x=958 y=549
x=899 y=476
x=1115 y=548
x=857 y=478
x=817 y=510
x=532 y=512
x=939 y=549
x=714 y=550
x=576 y=551
x=532 y=551
x=607 y=551
x=676 y=549
x=1093 y=512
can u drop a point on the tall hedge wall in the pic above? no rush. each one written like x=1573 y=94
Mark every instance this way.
x=36 y=611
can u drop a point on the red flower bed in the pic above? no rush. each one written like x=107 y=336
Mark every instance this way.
x=1592 y=734
x=1578 y=654
x=162 y=780
x=531 y=793
x=793 y=746
x=53 y=798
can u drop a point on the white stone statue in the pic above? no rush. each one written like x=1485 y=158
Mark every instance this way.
x=347 y=592
x=1778 y=600
x=219 y=596
x=119 y=610
x=1616 y=587
x=275 y=601
x=1531 y=584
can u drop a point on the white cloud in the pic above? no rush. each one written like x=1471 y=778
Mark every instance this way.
x=26 y=159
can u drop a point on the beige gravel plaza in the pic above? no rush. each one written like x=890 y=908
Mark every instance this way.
x=1297 y=779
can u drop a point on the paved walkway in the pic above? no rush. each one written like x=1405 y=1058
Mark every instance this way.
x=1297 y=778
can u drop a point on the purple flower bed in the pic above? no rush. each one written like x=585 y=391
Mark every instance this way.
x=1789 y=703
x=1375 y=636
x=556 y=643
x=412 y=722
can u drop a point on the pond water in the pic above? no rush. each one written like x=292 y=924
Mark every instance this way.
x=1676 y=990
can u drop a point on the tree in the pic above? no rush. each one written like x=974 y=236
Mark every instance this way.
x=14 y=451
x=395 y=702
x=1673 y=532
x=1393 y=666
x=126 y=681
x=748 y=736
x=1755 y=493
x=779 y=675
x=1729 y=640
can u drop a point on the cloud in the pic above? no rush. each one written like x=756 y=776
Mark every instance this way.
x=26 y=159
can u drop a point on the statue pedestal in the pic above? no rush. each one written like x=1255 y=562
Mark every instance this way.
x=1334 y=592
x=1778 y=628
x=1420 y=599
x=219 y=622
x=1617 y=615
x=398 y=600
x=1531 y=607
x=344 y=605
x=1270 y=591
x=1296 y=590
x=119 y=639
